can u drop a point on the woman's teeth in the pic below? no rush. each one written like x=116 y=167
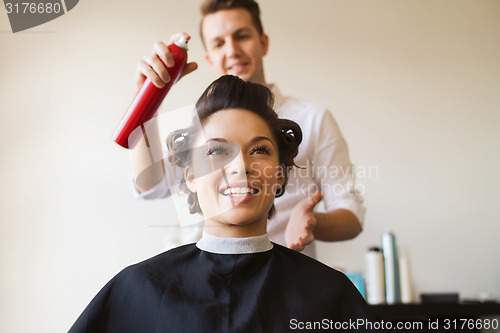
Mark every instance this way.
x=239 y=191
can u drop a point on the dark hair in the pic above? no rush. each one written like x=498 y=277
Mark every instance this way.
x=231 y=92
x=213 y=6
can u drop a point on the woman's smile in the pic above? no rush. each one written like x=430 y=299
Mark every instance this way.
x=239 y=193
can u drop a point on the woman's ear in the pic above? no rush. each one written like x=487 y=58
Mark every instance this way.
x=189 y=178
x=280 y=181
x=282 y=175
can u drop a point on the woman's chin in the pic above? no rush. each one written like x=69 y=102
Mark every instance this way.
x=237 y=216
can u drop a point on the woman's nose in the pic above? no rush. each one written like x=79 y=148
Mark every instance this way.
x=239 y=166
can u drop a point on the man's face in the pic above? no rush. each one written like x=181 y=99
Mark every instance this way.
x=234 y=45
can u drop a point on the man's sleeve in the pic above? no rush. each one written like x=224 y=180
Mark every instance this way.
x=335 y=173
x=161 y=190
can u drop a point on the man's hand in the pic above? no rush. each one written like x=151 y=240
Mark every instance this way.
x=299 y=231
x=153 y=66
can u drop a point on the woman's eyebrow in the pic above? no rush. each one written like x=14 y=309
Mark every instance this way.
x=255 y=139
x=258 y=138
x=217 y=140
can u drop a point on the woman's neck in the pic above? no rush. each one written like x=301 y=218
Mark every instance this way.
x=235 y=230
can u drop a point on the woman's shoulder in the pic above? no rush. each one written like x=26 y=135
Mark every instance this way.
x=159 y=264
x=307 y=276
x=305 y=265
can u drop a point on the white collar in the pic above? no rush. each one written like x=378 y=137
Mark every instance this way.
x=223 y=245
x=279 y=98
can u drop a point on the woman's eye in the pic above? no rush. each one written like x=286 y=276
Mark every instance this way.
x=260 y=150
x=217 y=151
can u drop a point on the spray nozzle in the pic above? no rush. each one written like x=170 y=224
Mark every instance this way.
x=182 y=43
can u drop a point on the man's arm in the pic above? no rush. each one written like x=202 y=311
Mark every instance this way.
x=336 y=225
x=146 y=157
x=147 y=172
x=344 y=211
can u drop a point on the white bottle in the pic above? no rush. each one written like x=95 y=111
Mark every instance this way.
x=392 y=282
x=405 y=277
x=375 y=276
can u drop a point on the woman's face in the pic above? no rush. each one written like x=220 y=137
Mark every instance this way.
x=235 y=173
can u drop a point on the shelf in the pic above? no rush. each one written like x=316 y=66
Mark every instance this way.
x=425 y=311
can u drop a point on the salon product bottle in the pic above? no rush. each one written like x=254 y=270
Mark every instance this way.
x=405 y=277
x=148 y=99
x=391 y=264
x=375 y=276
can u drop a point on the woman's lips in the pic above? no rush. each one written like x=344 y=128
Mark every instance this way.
x=240 y=191
x=239 y=194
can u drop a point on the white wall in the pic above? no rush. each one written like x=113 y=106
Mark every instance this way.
x=414 y=85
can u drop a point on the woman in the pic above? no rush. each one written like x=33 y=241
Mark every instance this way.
x=234 y=279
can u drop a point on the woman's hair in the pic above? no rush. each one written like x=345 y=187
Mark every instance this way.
x=231 y=92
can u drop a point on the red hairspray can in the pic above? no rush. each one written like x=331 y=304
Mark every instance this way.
x=148 y=100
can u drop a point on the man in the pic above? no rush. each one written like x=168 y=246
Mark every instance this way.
x=235 y=43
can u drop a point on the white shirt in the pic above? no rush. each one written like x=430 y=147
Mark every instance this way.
x=323 y=152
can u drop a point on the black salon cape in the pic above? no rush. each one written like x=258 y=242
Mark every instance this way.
x=190 y=290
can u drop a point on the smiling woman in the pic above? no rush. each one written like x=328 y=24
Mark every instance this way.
x=236 y=160
x=235 y=172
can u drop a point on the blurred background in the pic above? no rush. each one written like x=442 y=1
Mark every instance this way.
x=414 y=86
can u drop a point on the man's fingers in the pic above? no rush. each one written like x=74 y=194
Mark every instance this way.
x=310 y=223
x=296 y=247
x=313 y=200
x=301 y=243
x=316 y=197
x=189 y=68
x=163 y=52
x=144 y=70
x=139 y=79
x=158 y=67
x=308 y=240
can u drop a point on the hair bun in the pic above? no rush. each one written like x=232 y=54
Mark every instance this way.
x=178 y=146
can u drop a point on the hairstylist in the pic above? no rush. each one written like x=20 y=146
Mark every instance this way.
x=235 y=43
